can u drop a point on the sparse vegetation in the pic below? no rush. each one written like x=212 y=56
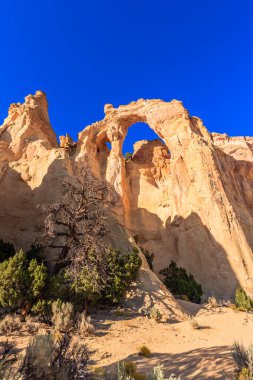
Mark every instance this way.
x=7 y=358
x=128 y=156
x=91 y=270
x=243 y=358
x=194 y=323
x=10 y=323
x=45 y=358
x=43 y=310
x=130 y=368
x=149 y=257
x=63 y=316
x=243 y=301
x=212 y=302
x=180 y=283
x=84 y=326
x=155 y=314
x=128 y=371
x=144 y=351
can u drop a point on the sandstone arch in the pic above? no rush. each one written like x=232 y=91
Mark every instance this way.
x=194 y=207
x=190 y=190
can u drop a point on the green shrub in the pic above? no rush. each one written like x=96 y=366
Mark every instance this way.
x=180 y=283
x=105 y=277
x=122 y=269
x=128 y=156
x=244 y=374
x=26 y=282
x=7 y=250
x=43 y=310
x=242 y=300
x=35 y=252
x=21 y=280
x=38 y=275
x=86 y=281
x=144 y=351
x=149 y=257
x=14 y=280
x=58 y=286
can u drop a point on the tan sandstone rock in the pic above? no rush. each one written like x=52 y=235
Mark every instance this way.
x=188 y=197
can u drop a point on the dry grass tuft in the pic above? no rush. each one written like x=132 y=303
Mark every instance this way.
x=155 y=314
x=9 y=324
x=84 y=325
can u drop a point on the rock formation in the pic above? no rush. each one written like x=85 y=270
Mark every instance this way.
x=187 y=197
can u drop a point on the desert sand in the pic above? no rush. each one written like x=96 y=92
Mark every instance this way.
x=204 y=353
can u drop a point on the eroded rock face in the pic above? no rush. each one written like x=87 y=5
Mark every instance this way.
x=188 y=197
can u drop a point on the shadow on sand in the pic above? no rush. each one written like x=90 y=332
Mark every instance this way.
x=199 y=364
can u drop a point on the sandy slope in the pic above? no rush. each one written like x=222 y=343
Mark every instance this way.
x=195 y=354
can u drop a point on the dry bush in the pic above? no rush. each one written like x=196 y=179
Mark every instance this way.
x=212 y=302
x=144 y=351
x=38 y=358
x=159 y=374
x=127 y=371
x=30 y=326
x=7 y=358
x=84 y=325
x=243 y=358
x=155 y=314
x=63 y=316
x=194 y=323
x=45 y=358
x=9 y=324
x=225 y=303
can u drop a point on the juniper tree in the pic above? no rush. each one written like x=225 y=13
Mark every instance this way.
x=74 y=228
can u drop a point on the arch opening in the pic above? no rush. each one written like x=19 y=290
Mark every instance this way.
x=109 y=145
x=139 y=132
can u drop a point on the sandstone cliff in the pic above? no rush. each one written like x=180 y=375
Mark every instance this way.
x=188 y=197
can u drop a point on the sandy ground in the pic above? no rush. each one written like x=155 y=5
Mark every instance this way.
x=194 y=354
x=203 y=353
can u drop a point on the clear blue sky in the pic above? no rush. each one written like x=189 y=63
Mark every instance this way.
x=84 y=54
